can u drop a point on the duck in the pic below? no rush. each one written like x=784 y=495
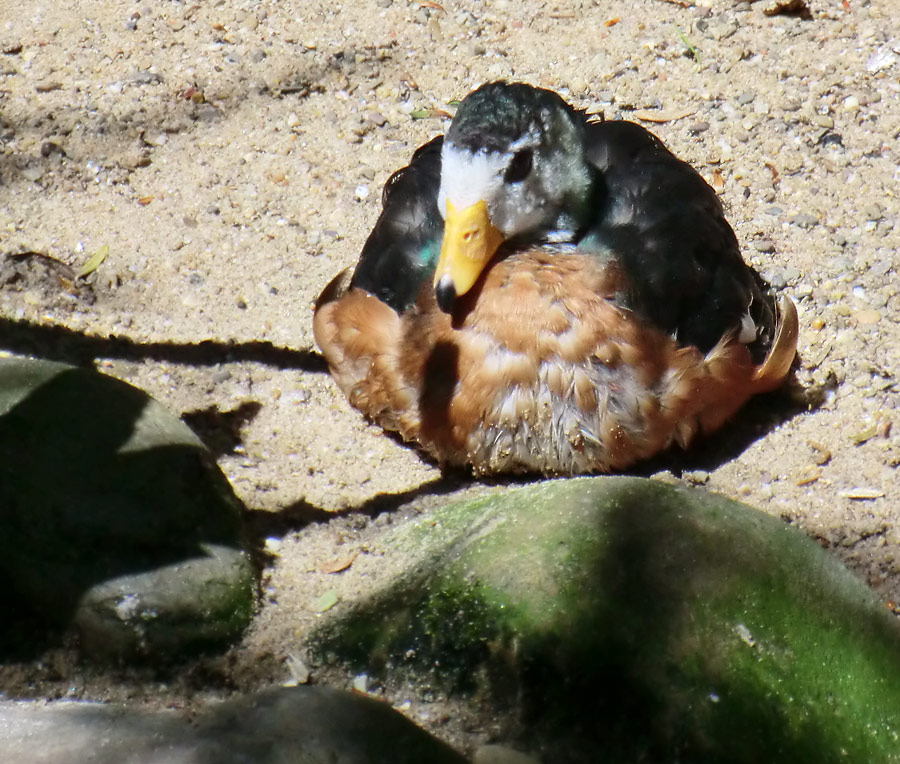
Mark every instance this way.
x=546 y=291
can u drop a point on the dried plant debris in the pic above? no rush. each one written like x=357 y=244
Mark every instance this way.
x=798 y=8
x=43 y=280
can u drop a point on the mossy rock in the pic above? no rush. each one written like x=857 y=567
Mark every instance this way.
x=115 y=520
x=625 y=620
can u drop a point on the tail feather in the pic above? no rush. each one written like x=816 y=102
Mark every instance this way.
x=772 y=371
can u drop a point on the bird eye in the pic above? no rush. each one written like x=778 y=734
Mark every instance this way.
x=519 y=167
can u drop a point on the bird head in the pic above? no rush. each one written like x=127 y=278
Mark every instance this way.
x=512 y=167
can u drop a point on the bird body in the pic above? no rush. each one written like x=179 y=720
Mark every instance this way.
x=545 y=293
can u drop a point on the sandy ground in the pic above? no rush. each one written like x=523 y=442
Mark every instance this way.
x=230 y=155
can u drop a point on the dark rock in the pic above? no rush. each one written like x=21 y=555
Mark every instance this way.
x=114 y=519
x=301 y=724
x=646 y=621
x=829 y=138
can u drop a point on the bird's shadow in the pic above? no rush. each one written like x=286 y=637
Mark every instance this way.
x=58 y=343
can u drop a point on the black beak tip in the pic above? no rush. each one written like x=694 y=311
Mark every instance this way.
x=445 y=293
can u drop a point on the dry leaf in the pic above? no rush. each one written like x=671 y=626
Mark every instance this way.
x=718 y=179
x=429 y=113
x=653 y=115
x=338 y=564
x=866 y=434
x=811 y=476
x=91 y=265
x=327 y=601
x=823 y=453
x=862 y=494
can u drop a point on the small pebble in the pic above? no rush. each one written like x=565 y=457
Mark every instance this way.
x=776 y=280
x=873 y=211
x=804 y=220
x=883 y=58
x=32 y=172
x=376 y=118
x=147 y=78
x=867 y=317
x=299 y=671
x=155 y=138
x=851 y=103
x=696 y=477
x=48 y=86
x=49 y=147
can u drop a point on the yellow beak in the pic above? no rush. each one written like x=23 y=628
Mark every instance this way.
x=470 y=241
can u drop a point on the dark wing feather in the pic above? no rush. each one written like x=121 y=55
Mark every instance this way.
x=666 y=226
x=403 y=248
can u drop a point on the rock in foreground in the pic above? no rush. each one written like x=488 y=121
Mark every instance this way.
x=307 y=725
x=114 y=518
x=622 y=620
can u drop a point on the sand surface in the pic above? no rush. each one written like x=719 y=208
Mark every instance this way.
x=231 y=155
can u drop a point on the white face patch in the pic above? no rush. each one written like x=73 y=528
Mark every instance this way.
x=467 y=178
